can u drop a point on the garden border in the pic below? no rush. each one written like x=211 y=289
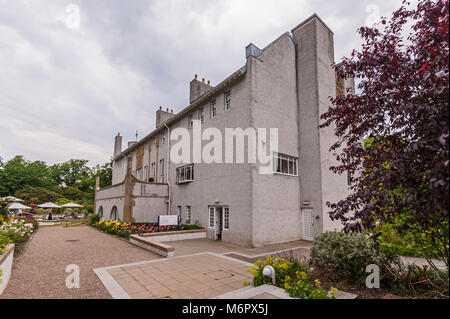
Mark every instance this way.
x=6 y=262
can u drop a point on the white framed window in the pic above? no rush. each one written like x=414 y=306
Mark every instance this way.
x=227 y=98
x=285 y=164
x=201 y=115
x=180 y=213
x=212 y=213
x=213 y=109
x=188 y=214
x=185 y=174
x=161 y=176
x=153 y=167
x=163 y=138
x=145 y=173
x=190 y=122
x=226 y=218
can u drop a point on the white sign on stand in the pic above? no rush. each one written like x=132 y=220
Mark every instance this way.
x=168 y=220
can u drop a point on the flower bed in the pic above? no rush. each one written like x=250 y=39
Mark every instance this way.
x=126 y=229
x=291 y=275
x=17 y=230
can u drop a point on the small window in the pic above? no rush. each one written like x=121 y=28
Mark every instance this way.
x=211 y=217
x=100 y=212
x=185 y=174
x=153 y=170
x=145 y=173
x=162 y=177
x=349 y=174
x=285 y=164
x=201 y=115
x=213 y=109
x=163 y=138
x=226 y=218
x=228 y=100
x=190 y=122
x=180 y=211
x=188 y=214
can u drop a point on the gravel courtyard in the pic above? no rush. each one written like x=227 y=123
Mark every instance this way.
x=40 y=272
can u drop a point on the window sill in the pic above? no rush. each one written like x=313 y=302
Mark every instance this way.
x=284 y=174
x=185 y=182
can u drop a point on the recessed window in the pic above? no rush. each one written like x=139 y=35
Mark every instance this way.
x=162 y=177
x=228 y=100
x=201 y=115
x=153 y=167
x=188 y=214
x=226 y=218
x=285 y=164
x=163 y=138
x=185 y=174
x=213 y=109
x=180 y=212
x=190 y=122
x=211 y=217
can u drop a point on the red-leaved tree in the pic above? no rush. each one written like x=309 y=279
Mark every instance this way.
x=401 y=104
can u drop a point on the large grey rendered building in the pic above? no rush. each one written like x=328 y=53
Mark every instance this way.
x=286 y=85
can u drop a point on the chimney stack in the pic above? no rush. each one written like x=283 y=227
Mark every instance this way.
x=197 y=88
x=118 y=145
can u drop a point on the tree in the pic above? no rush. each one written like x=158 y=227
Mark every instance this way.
x=402 y=106
x=71 y=172
x=18 y=172
x=105 y=173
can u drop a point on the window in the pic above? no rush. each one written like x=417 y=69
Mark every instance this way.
x=211 y=217
x=113 y=215
x=162 y=177
x=349 y=174
x=185 y=174
x=139 y=174
x=145 y=173
x=226 y=218
x=201 y=116
x=179 y=209
x=285 y=164
x=153 y=170
x=163 y=138
x=100 y=212
x=190 y=122
x=188 y=214
x=228 y=100
x=213 y=109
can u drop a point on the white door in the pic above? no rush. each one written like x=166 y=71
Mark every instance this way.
x=308 y=229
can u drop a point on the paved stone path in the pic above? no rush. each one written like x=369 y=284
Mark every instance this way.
x=40 y=271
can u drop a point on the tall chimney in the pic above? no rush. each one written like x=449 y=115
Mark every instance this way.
x=198 y=88
x=118 y=145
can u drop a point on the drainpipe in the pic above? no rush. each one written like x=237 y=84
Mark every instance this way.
x=168 y=167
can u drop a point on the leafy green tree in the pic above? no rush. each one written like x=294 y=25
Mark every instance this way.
x=105 y=173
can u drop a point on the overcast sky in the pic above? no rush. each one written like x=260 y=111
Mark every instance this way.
x=68 y=85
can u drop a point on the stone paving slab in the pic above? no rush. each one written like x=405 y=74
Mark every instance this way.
x=198 y=276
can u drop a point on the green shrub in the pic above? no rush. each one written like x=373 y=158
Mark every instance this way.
x=408 y=243
x=290 y=275
x=346 y=256
x=4 y=241
x=282 y=268
x=94 y=219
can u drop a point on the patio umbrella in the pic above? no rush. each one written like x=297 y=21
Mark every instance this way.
x=16 y=206
x=13 y=199
x=49 y=205
x=72 y=205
